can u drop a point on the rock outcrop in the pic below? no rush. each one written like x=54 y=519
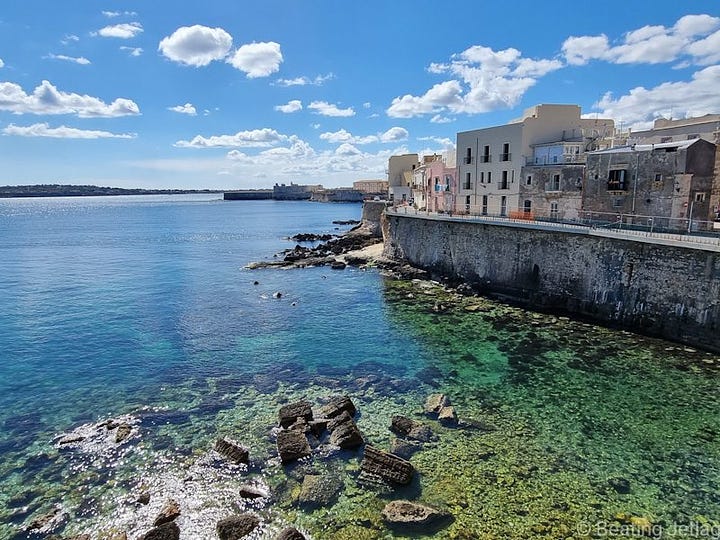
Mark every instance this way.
x=387 y=467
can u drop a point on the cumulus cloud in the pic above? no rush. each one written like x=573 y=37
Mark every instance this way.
x=291 y=106
x=257 y=59
x=394 y=134
x=132 y=51
x=69 y=38
x=2 y=64
x=122 y=31
x=47 y=99
x=440 y=119
x=256 y=138
x=641 y=106
x=442 y=141
x=80 y=60
x=196 y=45
x=318 y=80
x=113 y=14
x=328 y=109
x=188 y=109
x=689 y=37
x=62 y=132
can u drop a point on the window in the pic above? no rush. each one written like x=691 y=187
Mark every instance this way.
x=618 y=203
x=693 y=136
x=467 y=204
x=504 y=180
x=489 y=177
x=554 y=184
x=527 y=206
x=484 y=205
x=468 y=156
x=468 y=181
x=482 y=177
x=503 y=205
x=505 y=156
x=528 y=180
x=486 y=154
x=554 y=210
x=700 y=197
x=658 y=177
x=617 y=180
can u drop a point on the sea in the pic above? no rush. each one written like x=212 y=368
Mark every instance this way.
x=140 y=310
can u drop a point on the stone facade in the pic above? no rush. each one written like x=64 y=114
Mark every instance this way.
x=553 y=191
x=661 y=290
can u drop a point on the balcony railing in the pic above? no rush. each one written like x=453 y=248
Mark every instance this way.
x=467 y=160
x=485 y=158
x=506 y=157
x=467 y=185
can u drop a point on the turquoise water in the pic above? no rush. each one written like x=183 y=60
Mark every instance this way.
x=139 y=308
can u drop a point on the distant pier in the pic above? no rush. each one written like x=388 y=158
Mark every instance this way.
x=248 y=195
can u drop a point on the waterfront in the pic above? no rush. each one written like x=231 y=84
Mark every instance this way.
x=141 y=307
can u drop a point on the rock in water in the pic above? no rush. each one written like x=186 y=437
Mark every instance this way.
x=166 y=531
x=387 y=466
x=413 y=516
x=344 y=433
x=289 y=414
x=232 y=450
x=447 y=417
x=292 y=445
x=319 y=490
x=434 y=403
x=169 y=513
x=235 y=527
x=123 y=432
x=336 y=406
x=406 y=427
x=404 y=449
x=619 y=484
x=249 y=491
x=291 y=533
x=71 y=439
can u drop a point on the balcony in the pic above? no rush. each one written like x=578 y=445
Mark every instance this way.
x=617 y=186
x=504 y=185
x=506 y=157
x=485 y=158
x=467 y=160
x=467 y=185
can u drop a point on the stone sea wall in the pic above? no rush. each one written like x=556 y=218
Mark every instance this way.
x=661 y=290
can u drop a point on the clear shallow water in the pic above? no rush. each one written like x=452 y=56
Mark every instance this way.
x=140 y=306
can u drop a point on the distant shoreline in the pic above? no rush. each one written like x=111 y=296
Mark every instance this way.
x=60 y=190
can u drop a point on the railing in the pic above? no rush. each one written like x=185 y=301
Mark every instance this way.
x=467 y=160
x=485 y=158
x=506 y=157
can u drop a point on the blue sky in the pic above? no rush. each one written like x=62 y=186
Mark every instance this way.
x=236 y=94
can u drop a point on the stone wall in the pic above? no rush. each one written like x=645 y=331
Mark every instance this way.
x=372 y=214
x=661 y=290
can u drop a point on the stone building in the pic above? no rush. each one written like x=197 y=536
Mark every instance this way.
x=400 y=173
x=684 y=129
x=371 y=187
x=490 y=160
x=664 y=184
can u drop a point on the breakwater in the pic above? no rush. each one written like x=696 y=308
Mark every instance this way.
x=664 y=289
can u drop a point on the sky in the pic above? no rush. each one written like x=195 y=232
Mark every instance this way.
x=236 y=94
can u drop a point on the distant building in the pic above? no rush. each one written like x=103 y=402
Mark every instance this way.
x=490 y=160
x=294 y=192
x=372 y=187
x=668 y=182
x=434 y=184
x=702 y=127
x=400 y=174
x=342 y=194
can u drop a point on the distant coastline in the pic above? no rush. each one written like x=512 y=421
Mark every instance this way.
x=64 y=190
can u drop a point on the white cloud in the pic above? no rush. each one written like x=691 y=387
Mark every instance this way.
x=367 y=105
x=196 y=45
x=439 y=119
x=442 y=141
x=47 y=99
x=113 y=14
x=133 y=51
x=291 y=106
x=184 y=109
x=344 y=136
x=122 y=31
x=445 y=95
x=696 y=25
x=257 y=59
x=2 y=64
x=641 y=105
x=394 y=134
x=81 y=60
x=579 y=50
x=318 y=80
x=69 y=38
x=257 y=138
x=315 y=126
x=706 y=51
x=62 y=132
x=328 y=109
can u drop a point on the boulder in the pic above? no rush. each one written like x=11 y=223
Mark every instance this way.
x=337 y=265
x=319 y=490
x=291 y=533
x=292 y=445
x=169 y=513
x=404 y=449
x=235 y=527
x=434 y=403
x=232 y=450
x=447 y=417
x=289 y=414
x=318 y=427
x=44 y=522
x=406 y=427
x=344 y=432
x=336 y=406
x=619 y=484
x=386 y=466
x=249 y=491
x=123 y=432
x=71 y=439
x=166 y=531
x=413 y=516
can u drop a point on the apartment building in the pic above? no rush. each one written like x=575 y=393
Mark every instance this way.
x=490 y=160
x=684 y=129
x=400 y=176
x=434 y=183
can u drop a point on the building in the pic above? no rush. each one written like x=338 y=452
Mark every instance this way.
x=665 y=184
x=434 y=183
x=701 y=127
x=371 y=187
x=341 y=194
x=400 y=174
x=294 y=192
x=490 y=160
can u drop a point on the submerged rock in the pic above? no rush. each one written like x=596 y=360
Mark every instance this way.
x=166 y=531
x=170 y=512
x=46 y=521
x=447 y=417
x=434 y=403
x=319 y=490
x=386 y=466
x=344 y=432
x=404 y=449
x=289 y=414
x=235 y=527
x=232 y=450
x=249 y=491
x=336 y=406
x=71 y=439
x=123 y=432
x=292 y=445
x=619 y=484
x=413 y=516
x=291 y=533
x=406 y=427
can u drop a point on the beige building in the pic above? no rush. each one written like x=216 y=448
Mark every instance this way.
x=663 y=131
x=490 y=160
x=400 y=176
x=371 y=187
